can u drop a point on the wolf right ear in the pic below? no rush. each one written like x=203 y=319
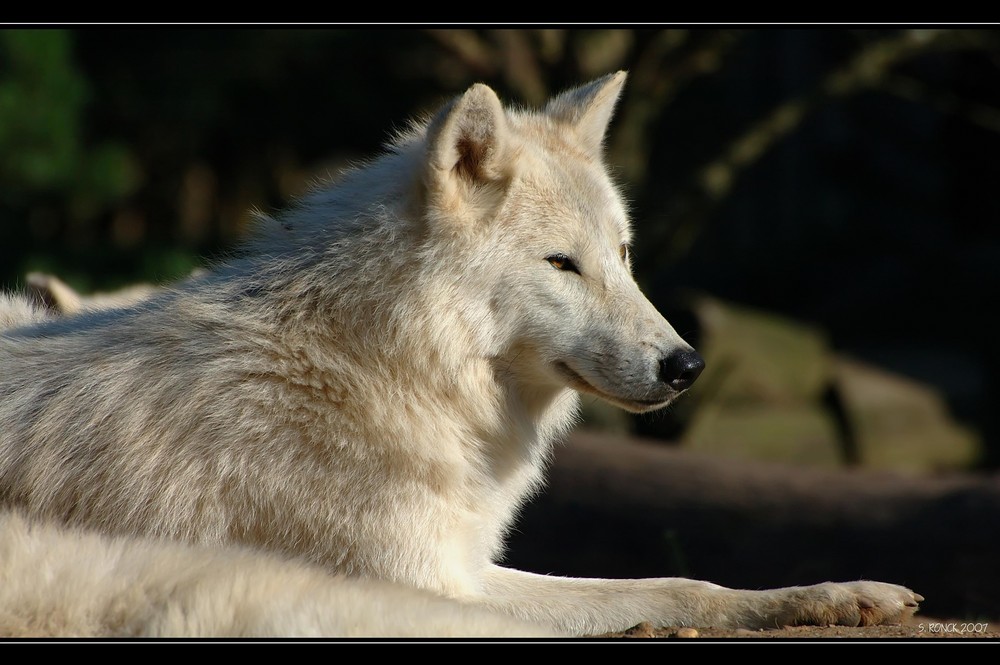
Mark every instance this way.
x=588 y=109
x=468 y=139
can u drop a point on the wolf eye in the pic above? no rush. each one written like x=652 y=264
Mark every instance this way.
x=562 y=262
x=624 y=253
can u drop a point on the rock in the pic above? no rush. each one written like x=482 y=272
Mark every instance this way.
x=773 y=390
x=761 y=394
x=642 y=630
x=797 y=433
x=899 y=423
x=753 y=355
x=685 y=633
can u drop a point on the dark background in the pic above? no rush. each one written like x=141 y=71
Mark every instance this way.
x=845 y=177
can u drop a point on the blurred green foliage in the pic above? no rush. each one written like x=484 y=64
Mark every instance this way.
x=43 y=146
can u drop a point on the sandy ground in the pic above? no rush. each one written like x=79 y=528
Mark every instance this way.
x=916 y=627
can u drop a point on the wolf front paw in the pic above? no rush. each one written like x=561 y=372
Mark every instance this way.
x=853 y=604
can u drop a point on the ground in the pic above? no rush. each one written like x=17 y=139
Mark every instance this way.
x=917 y=627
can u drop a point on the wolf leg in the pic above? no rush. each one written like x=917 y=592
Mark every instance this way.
x=593 y=606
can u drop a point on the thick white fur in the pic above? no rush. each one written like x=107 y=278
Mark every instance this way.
x=376 y=385
x=16 y=311
x=62 y=582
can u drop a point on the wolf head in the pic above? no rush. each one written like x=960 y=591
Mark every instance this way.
x=524 y=206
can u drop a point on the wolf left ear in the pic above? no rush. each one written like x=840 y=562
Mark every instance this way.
x=588 y=109
x=468 y=139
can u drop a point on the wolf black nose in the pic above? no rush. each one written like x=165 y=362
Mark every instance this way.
x=680 y=369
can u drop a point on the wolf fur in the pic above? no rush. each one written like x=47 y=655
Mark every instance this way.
x=59 y=581
x=16 y=312
x=375 y=385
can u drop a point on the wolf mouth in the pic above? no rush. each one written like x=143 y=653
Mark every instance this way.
x=576 y=381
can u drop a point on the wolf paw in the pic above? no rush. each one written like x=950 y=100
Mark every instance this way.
x=854 y=604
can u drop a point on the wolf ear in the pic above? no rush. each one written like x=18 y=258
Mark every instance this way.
x=589 y=108
x=468 y=139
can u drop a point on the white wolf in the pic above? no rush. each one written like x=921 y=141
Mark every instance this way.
x=375 y=386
